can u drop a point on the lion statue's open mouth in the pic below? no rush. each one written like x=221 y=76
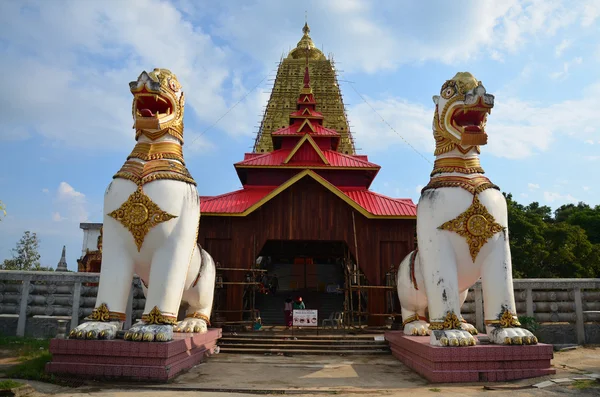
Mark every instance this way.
x=462 y=109
x=157 y=101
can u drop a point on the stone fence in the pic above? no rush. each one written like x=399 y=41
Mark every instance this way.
x=31 y=303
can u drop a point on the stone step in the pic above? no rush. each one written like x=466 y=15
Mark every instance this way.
x=244 y=350
x=303 y=341
x=299 y=336
x=291 y=346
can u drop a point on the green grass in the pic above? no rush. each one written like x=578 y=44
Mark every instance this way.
x=9 y=384
x=33 y=355
x=585 y=384
x=435 y=390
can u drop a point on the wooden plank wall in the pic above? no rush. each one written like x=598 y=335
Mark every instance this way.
x=307 y=211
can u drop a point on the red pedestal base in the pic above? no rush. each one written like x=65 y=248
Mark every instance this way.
x=153 y=361
x=481 y=363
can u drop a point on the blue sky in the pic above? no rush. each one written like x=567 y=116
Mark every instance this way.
x=66 y=106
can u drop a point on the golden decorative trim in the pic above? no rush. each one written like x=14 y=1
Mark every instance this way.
x=100 y=313
x=157 y=317
x=413 y=318
x=505 y=320
x=139 y=214
x=142 y=173
x=476 y=225
x=457 y=164
x=199 y=316
x=303 y=167
x=157 y=151
x=473 y=185
x=175 y=131
x=451 y=321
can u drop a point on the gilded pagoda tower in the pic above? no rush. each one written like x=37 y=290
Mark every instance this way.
x=288 y=82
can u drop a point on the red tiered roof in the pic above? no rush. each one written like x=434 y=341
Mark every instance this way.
x=306 y=149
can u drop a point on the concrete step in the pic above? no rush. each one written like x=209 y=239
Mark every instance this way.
x=245 y=350
x=304 y=341
x=291 y=346
x=303 y=335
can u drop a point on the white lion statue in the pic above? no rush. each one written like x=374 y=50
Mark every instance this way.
x=152 y=215
x=462 y=231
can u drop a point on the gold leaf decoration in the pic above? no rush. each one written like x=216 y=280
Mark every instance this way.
x=157 y=317
x=139 y=214
x=101 y=313
x=450 y=322
x=476 y=225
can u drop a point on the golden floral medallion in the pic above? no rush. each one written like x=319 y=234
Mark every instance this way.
x=139 y=214
x=476 y=225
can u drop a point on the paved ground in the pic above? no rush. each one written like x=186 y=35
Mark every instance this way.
x=318 y=375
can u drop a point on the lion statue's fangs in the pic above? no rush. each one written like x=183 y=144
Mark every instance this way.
x=461 y=231
x=152 y=213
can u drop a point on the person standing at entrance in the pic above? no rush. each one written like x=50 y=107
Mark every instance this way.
x=287 y=311
x=299 y=304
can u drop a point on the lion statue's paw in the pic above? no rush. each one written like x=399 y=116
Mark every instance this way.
x=417 y=328
x=142 y=332
x=96 y=330
x=469 y=328
x=452 y=338
x=512 y=336
x=190 y=325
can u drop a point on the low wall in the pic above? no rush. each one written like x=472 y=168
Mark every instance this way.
x=31 y=303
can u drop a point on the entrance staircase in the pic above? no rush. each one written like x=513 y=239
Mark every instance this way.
x=284 y=343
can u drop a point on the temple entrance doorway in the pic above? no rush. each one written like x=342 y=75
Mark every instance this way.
x=314 y=270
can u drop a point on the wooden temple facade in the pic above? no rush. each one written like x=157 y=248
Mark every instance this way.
x=304 y=182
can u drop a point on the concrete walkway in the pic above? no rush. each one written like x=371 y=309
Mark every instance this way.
x=226 y=375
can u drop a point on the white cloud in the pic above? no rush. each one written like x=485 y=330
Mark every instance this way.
x=561 y=75
x=369 y=38
x=419 y=188
x=524 y=195
x=586 y=188
x=562 y=46
x=45 y=190
x=90 y=53
x=56 y=217
x=589 y=141
x=410 y=121
x=533 y=186
x=72 y=203
x=516 y=128
x=551 y=197
x=592 y=158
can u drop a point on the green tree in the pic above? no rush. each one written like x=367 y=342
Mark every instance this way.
x=546 y=246
x=2 y=210
x=26 y=255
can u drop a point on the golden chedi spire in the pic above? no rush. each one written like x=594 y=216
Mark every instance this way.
x=290 y=80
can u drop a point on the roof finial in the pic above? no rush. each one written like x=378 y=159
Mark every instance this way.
x=306 y=28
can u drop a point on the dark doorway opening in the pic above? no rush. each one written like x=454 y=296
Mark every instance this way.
x=314 y=270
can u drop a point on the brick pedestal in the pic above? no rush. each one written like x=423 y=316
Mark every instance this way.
x=153 y=361
x=480 y=363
